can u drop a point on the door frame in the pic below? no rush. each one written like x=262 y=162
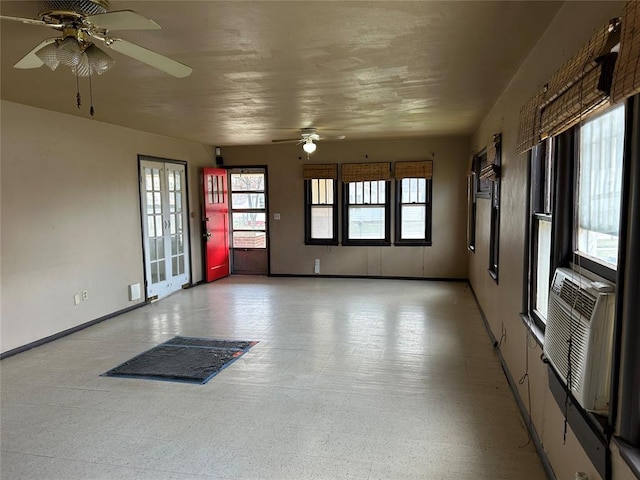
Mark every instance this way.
x=186 y=225
x=229 y=168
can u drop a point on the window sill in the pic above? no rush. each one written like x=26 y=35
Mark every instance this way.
x=412 y=244
x=373 y=243
x=536 y=332
x=630 y=454
x=493 y=274
x=321 y=242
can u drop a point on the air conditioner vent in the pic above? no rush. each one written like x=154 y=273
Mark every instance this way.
x=578 y=299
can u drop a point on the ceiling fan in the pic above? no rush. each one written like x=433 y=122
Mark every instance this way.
x=81 y=22
x=307 y=138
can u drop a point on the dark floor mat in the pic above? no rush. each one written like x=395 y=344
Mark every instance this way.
x=183 y=359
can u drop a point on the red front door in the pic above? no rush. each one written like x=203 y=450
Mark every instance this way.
x=216 y=223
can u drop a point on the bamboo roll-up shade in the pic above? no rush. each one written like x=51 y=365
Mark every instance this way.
x=422 y=169
x=529 y=123
x=568 y=109
x=572 y=92
x=578 y=66
x=365 y=172
x=329 y=170
x=626 y=78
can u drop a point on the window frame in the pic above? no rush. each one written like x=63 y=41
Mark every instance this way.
x=494 y=232
x=541 y=209
x=346 y=241
x=308 y=213
x=399 y=241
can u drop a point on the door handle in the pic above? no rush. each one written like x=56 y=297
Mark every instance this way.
x=207 y=235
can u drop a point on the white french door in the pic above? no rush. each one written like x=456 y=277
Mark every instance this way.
x=165 y=227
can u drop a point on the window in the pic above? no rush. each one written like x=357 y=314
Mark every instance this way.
x=599 y=187
x=366 y=204
x=413 y=203
x=321 y=219
x=492 y=173
x=471 y=212
x=540 y=227
x=366 y=216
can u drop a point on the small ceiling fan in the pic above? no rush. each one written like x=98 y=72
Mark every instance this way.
x=307 y=138
x=81 y=22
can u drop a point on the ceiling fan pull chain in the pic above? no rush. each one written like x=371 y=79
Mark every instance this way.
x=91 y=110
x=78 y=99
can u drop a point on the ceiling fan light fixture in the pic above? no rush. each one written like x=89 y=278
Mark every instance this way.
x=69 y=52
x=308 y=146
x=49 y=55
x=99 y=61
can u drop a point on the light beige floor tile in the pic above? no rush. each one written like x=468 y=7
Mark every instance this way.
x=351 y=379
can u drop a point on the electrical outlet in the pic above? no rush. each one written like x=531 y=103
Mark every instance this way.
x=85 y=294
x=316 y=266
x=76 y=299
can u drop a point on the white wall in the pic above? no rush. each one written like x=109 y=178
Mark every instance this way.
x=502 y=303
x=71 y=218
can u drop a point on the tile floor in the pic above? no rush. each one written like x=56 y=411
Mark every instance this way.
x=352 y=379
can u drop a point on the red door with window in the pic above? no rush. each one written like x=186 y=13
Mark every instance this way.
x=216 y=223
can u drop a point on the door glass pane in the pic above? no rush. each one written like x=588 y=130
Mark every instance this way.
x=158 y=226
x=248 y=221
x=161 y=272
x=243 y=182
x=247 y=200
x=154 y=272
x=178 y=202
x=157 y=202
x=153 y=252
x=171 y=180
x=178 y=179
x=156 y=178
x=151 y=226
x=249 y=240
x=172 y=223
x=149 y=203
x=174 y=245
x=160 y=248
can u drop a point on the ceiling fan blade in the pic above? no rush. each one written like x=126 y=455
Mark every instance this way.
x=122 y=20
x=286 y=140
x=31 y=60
x=29 y=21
x=335 y=137
x=151 y=58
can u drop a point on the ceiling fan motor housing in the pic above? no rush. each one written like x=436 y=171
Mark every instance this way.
x=83 y=7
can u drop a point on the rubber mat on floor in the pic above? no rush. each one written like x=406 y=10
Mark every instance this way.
x=183 y=359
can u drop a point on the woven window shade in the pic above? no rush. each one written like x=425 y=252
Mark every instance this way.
x=566 y=110
x=414 y=169
x=626 y=78
x=365 y=172
x=578 y=87
x=529 y=124
x=310 y=171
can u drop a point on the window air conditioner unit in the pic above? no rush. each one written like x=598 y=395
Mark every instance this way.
x=579 y=336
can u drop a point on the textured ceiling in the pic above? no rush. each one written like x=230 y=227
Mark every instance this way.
x=263 y=70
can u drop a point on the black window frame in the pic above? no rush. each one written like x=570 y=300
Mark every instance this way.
x=346 y=241
x=494 y=232
x=399 y=241
x=308 y=208
x=541 y=202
